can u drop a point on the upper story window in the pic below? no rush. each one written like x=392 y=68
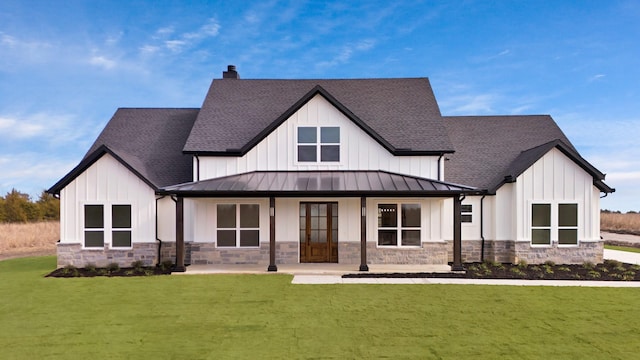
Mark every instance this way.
x=318 y=144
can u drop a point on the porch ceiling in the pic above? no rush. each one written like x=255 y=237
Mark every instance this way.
x=318 y=183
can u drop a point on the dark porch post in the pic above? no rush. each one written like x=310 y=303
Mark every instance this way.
x=363 y=235
x=179 y=235
x=272 y=235
x=457 y=234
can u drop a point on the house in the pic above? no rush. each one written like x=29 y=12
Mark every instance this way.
x=357 y=171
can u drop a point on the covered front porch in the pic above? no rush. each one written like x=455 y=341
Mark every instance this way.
x=370 y=189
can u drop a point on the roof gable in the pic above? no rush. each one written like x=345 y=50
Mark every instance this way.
x=488 y=148
x=148 y=142
x=131 y=163
x=401 y=114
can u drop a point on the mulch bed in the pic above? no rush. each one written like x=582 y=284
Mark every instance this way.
x=610 y=270
x=69 y=272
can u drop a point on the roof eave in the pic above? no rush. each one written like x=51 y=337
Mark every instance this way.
x=89 y=160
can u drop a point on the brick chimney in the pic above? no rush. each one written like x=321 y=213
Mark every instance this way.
x=231 y=73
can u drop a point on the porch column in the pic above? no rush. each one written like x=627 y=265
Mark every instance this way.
x=363 y=235
x=457 y=234
x=179 y=235
x=272 y=235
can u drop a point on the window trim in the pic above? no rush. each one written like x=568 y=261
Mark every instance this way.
x=398 y=228
x=468 y=213
x=238 y=227
x=318 y=145
x=554 y=223
x=107 y=229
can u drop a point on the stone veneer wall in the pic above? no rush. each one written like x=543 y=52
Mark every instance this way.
x=207 y=253
x=73 y=254
x=584 y=252
x=348 y=252
x=510 y=251
x=430 y=253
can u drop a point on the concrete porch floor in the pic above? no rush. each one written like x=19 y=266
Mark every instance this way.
x=310 y=269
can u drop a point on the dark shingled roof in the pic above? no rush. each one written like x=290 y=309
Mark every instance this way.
x=148 y=141
x=318 y=183
x=401 y=114
x=490 y=148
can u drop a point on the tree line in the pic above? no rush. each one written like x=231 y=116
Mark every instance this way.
x=18 y=207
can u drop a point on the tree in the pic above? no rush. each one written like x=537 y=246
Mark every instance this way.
x=15 y=206
x=49 y=207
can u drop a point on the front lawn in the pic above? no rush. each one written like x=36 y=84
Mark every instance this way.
x=266 y=317
x=622 y=248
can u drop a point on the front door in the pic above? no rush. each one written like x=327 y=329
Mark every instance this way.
x=318 y=232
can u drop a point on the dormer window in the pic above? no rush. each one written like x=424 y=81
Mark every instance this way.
x=318 y=144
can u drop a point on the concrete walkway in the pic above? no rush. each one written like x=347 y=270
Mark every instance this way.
x=622 y=256
x=335 y=279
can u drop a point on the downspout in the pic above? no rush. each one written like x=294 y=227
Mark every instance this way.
x=482 y=226
x=439 y=167
x=197 y=167
x=157 y=238
x=604 y=196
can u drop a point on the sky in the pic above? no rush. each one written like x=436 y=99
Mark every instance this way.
x=66 y=66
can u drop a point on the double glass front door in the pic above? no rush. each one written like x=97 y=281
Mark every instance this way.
x=318 y=232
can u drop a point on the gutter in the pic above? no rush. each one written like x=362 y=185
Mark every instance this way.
x=439 y=167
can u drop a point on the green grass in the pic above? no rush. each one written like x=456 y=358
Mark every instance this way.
x=622 y=248
x=266 y=317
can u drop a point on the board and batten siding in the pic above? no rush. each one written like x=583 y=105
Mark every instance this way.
x=277 y=152
x=554 y=179
x=107 y=182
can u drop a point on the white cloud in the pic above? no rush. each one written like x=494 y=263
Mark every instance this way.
x=175 y=45
x=15 y=128
x=345 y=53
x=468 y=104
x=31 y=173
x=596 y=77
x=102 y=61
x=149 y=49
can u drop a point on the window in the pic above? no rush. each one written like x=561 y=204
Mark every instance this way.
x=399 y=225
x=542 y=227
x=568 y=224
x=96 y=226
x=121 y=224
x=541 y=224
x=466 y=213
x=238 y=225
x=318 y=143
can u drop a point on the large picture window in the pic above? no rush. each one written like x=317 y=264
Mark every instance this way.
x=98 y=224
x=238 y=225
x=399 y=224
x=548 y=221
x=318 y=144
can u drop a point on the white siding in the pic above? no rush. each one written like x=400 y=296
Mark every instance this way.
x=554 y=179
x=107 y=182
x=278 y=150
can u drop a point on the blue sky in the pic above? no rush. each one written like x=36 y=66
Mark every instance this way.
x=66 y=66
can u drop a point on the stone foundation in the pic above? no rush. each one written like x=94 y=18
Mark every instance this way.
x=73 y=254
x=348 y=252
x=585 y=252
x=207 y=253
x=430 y=253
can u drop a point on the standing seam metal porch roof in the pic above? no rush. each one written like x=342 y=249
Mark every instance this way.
x=318 y=183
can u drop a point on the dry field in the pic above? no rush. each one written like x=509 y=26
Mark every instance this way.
x=30 y=239
x=620 y=223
